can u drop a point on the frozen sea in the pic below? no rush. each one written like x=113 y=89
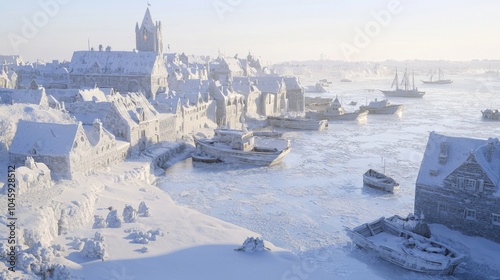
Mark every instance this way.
x=306 y=203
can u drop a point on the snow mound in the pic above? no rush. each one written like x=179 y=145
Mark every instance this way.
x=252 y=245
x=129 y=214
x=144 y=210
x=141 y=237
x=95 y=248
x=113 y=220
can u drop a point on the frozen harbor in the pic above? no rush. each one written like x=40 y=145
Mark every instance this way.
x=305 y=203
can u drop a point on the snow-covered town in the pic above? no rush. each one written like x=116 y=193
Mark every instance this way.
x=151 y=163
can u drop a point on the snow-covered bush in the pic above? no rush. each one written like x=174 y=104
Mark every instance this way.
x=253 y=244
x=143 y=210
x=58 y=272
x=94 y=249
x=141 y=237
x=113 y=220
x=129 y=214
x=98 y=236
x=99 y=222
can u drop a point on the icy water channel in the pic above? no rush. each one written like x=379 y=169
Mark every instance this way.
x=305 y=203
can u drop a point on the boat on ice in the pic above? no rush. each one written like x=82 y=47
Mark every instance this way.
x=439 y=81
x=231 y=145
x=491 y=114
x=335 y=112
x=407 y=90
x=380 y=181
x=405 y=248
x=382 y=107
x=297 y=123
x=317 y=88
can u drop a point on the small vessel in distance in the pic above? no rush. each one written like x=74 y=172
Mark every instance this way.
x=382 y=107
x=379 y=181
x=405 y=248
x=232 y=145
x=439 y=81
x=407 y=90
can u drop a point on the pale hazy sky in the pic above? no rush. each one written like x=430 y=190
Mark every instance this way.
x=275 y=30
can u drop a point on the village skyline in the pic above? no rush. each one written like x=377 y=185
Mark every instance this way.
x=277 y=31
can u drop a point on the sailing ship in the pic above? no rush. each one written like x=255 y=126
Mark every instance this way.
x=408 y=90
x=439 y=81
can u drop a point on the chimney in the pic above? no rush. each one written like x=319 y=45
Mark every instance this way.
x=100 y=48
x=97 y=126
x=490 y=150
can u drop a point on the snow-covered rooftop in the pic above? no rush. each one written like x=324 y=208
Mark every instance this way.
x=113 y=62
x=43 y=138
x=459 y=149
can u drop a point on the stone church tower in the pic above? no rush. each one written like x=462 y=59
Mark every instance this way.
x=148 y=36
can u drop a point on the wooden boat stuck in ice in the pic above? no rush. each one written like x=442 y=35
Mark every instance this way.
x=297 y=123
x=382 y=107
x=335 y=112
x=231 y=145
x=408 y=90
x=380 y=181
x=406 y=249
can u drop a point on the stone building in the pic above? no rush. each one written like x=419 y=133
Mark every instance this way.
x=230 y=105
x=141 y=70
x=66 y=149
x=295 y=94
x=36 y=95
x=458 y=185
x=129 y=117
x=274 y=95
x=244 y=86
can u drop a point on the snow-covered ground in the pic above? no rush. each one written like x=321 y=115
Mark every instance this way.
x=305 y=203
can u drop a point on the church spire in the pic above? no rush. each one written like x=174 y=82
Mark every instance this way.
x=149 y=35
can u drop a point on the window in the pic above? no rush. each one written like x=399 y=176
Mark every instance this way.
x=470 y=214
x=460 y=182
x=496 y=219
x=470 y=185
x=443 y=208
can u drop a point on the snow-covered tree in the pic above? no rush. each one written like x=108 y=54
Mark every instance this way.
x=253 y=244
x=144 y=210
x=113 y=220
x=99 y=222
x=129 y=214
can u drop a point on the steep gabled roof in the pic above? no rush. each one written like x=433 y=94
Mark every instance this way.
x=43 y=138
x=456 y=151
x=147 y=21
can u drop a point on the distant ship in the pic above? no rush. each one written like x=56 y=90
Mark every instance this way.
x=407 y=90
x=439 y=80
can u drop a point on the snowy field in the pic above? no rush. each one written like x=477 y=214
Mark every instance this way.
x=305 y=203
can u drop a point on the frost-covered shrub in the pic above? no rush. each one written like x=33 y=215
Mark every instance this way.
x=58 y=272
x=252 y=244
x=94 y=249
x=141 y=237
x=99 y=222
x=4 y=275
x=129 y=214
x=98 y=237
x=143 y=249
x=144 y=210
x=113 y=220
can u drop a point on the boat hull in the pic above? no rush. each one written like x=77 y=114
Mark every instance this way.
x=403 y=93
x=303 y=124
x=388 y=110
x=438 y=82
x=379 y=181
x=258 y=157
x=358 y=115
x=394 y=245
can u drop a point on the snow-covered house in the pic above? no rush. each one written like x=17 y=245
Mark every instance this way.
x=228 y=66
x=244 y=86
x=458 y=185
x=295 y=94
x=121 y=70
x=129 y=117
x=36 y=96
x=274 y=98
x=230 y=105
x=66 y=148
